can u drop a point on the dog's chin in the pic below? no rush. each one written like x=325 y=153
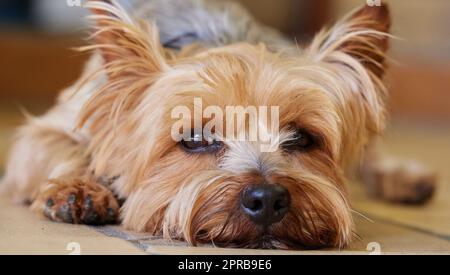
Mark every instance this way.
x=273 y=237
x=289 y=234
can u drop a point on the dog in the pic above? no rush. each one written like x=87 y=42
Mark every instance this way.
x=105 y=152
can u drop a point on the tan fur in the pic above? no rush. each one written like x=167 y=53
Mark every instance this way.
x=123 y=103
x=88 y=200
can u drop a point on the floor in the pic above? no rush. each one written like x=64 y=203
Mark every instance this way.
x=383 y=228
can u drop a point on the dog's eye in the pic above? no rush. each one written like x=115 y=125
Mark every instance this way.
x=196 y=144
x=301 y=140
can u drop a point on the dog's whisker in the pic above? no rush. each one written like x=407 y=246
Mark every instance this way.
x=362 y=215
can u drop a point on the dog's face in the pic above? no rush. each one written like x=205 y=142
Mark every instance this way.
x=228 y=191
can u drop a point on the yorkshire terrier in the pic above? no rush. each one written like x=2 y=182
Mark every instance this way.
x=105 y=153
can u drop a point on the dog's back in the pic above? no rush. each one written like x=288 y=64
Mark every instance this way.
x=210 y=23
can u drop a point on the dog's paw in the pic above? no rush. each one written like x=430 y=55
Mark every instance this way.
x=78 y=201
x=403 y=182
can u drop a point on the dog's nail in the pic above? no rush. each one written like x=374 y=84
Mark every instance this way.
x=111 y=212
x=50 y=203
x=65 y=213
x=88 y=202
x=71 y=199
x=111 y=215
x=91 y=217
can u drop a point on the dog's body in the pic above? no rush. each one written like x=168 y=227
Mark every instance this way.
x=107 y=138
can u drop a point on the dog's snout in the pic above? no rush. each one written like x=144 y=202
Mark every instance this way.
x=265 y=204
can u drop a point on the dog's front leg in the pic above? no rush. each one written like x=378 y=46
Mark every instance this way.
x=80 y=200
x=396 y=180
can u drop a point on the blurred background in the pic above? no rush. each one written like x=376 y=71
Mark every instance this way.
x=36 y=62
x=36 y=36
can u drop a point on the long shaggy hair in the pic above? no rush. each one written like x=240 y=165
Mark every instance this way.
x=115 y=123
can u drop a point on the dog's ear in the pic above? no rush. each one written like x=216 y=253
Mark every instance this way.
x=132 y=56
x=354 y=53
x=363 y=35
x=122 y=40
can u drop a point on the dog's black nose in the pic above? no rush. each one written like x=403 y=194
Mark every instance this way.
x=265 y=204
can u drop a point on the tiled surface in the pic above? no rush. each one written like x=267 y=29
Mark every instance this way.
x=389 y=237
x=430 y=145
x=23 y=232
x=397 y=229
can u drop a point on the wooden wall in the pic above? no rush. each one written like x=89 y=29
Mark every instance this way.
x=36 y=66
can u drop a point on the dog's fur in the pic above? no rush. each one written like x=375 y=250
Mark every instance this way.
x=108 y=137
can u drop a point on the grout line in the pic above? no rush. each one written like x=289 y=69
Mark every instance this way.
x=142 y=245
x=417 y=229
x=115 y=233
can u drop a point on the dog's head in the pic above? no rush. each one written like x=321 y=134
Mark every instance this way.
x=208 y=187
